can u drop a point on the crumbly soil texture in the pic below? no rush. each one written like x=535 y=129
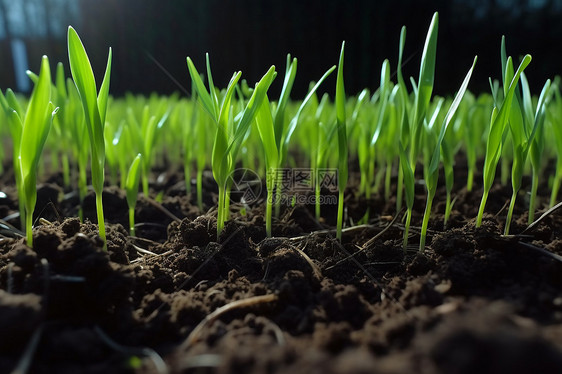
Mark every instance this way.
x=178 y=299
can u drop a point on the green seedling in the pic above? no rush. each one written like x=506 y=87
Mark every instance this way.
x=556 y=128
x=14 y=114
x=412 y=134
x=371 y=132
x=35 y=129
x=95 y=107
x=342 y=142
x=59 y=123
x=275 y=135
x=264 y=122
x=230 y=128
x=74 y=116
x=537 y=143
x=497 y=129
x=132 y=190
x=523 y=124
x=423 y=89
x=432 y=172
x=403 y=108
x=144 y=136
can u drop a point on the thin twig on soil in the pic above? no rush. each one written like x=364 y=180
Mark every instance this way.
x=147 y=241
x=504 y=207
x=195 y=334
x=543 y=216
x=372 y=240
x=541 y=251
x=315 y=269
x=330 y=231
x=368 y=243
x=144 y=258
x=372 y=278
x=161 y=208
x=10 y=231
x=144 y=251
x=287 y=214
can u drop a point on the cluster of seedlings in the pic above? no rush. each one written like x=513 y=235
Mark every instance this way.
x=391 y=132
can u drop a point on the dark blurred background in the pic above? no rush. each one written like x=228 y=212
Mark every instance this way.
x=151 y=36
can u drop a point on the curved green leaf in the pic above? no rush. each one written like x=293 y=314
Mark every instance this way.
x=132 y=182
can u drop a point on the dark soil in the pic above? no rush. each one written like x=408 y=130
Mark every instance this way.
x=472 y=302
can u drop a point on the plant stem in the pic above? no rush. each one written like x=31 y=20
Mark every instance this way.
x=317 y=201
x=340 y=215
x=387 y=180
x=220 y=210
x=268 y=211
x=101 y=222
x=425 y=222
x=132 y=221
x=278 y=192
x=122 y=175
x=187 y=177
x=510 y=213
x=200 y=189
x=504 y=171
x=470 y=179
x=226 y=213
x=65 y=170
x=399 y=188
x=367 y=196
x=532 y=202
x=481 y=209
x=448 y=208
x=407 y=229
x=82 y=190
x=145 y=183
x=23 y=214
x=29 y=228
x=555 y=188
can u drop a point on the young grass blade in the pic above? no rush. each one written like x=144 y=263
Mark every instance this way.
x=95 y=107
x=384 y=94
x=250 y=110
x=204 y=97
x=425 y=85
x=279 y=115
x=409 y=189
x=149 y=139
x=433 y=170
x=295 y=119
x=404 y=114
x=221 y=160
x=537 y=145
x=264 y=122
x=242 y=125
x=36 y=126
x=212 y=89
x=400 y=77
x=496 y=136
x=132 y=189
x=342 y=142
x=556 y=128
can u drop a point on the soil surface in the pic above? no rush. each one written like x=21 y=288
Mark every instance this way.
x=179 y=299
